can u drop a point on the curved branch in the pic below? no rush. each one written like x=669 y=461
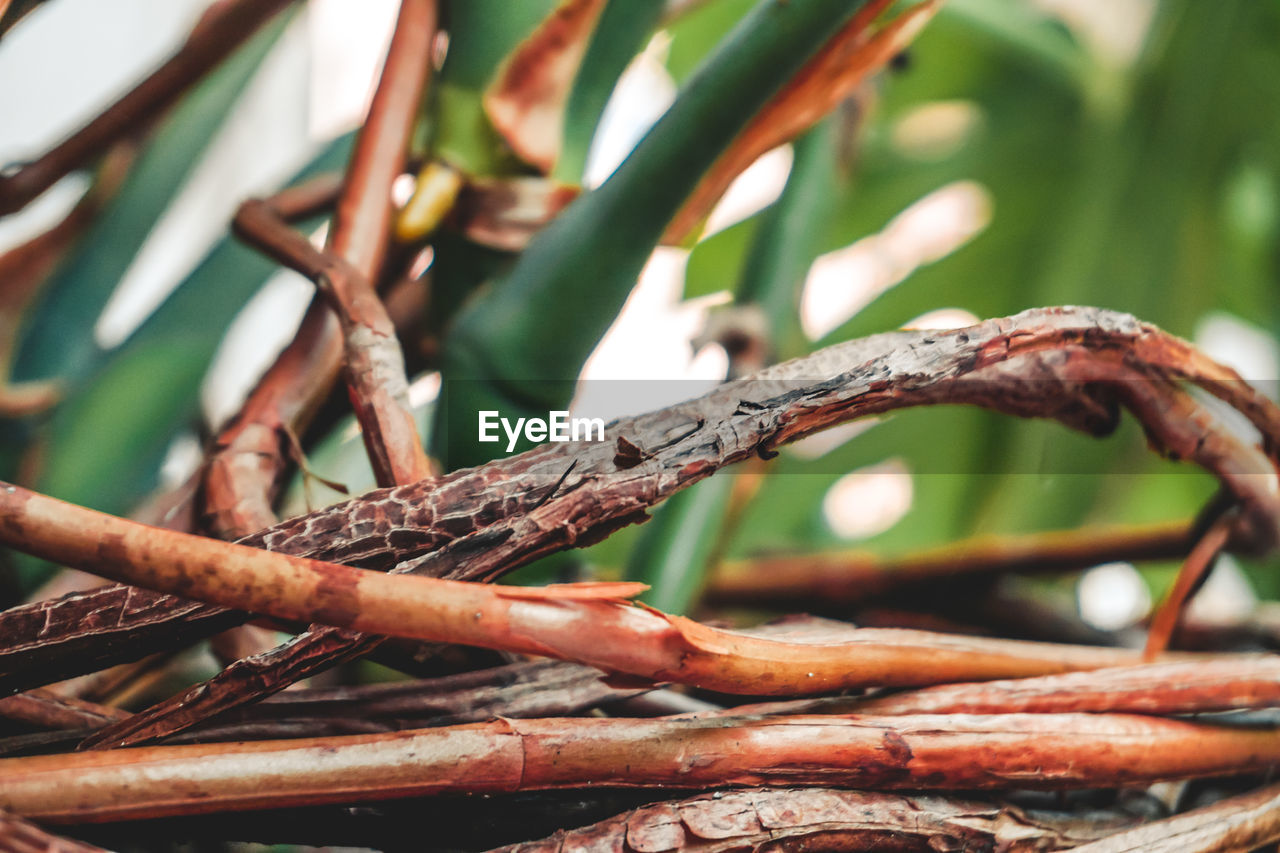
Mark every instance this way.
x=1077 y=365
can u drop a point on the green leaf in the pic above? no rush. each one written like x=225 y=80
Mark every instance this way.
x=57 y=338
x=481 y=34
x=788 y=239
x=520 y=328
x=621 y=32
x=674 y=551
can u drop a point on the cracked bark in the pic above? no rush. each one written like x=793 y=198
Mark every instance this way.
x=1078 y=365
x=769 y=819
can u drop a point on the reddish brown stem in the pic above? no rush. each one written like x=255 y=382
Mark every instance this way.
x=557 y=621
x=1049 y=751
x=1193 y=570
x=46 y=709
x=217 y=36
x=1176 y=687
x=374 y=364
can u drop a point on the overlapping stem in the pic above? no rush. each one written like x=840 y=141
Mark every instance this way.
x=252 y=453
x=1074 y=364
x=1174 y=687
x=563 y=621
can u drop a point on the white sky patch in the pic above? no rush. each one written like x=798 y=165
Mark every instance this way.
x=1226 y=597
x=869 y=500
x=263 y=328
x=643 y=93
x=50 y=96
x=1113 y=30
x=349 y=41
x=181 y=460
x=1112 y=596
x=423 y=390
x=942 y=318
x=263 y=140
x=69 y=59
x=756 y=188
x=646 y=361
x=1242 y=346
x=843 y=282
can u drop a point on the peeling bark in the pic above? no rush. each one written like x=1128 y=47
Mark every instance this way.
x=770 y=819
x=1078 y=365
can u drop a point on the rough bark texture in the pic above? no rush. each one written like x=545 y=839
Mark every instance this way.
x=772 y=819
x=1236 y=825
x=1073 y=364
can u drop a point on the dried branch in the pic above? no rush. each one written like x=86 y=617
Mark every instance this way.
x=19 y=836
x=527 y=689
x=1182 y=687
x=829 y=819
x=46 y=709
x=1050 y=751
x=562 y=621
x=826 y=580
x=1077 y=365
x=1236 y=825
x=373 y=361
x=212 y=40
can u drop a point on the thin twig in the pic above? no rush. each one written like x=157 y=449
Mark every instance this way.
x=21 y=836
x=374 y=364
x=252 y=451
x=46 y=709
x=1193 y=571
x=797 y=581
x=211 y=41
